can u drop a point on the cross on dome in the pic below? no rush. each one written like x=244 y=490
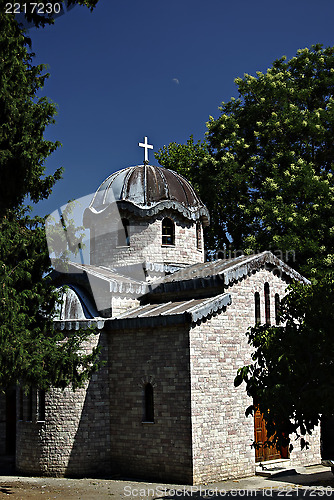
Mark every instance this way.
x=146 y=146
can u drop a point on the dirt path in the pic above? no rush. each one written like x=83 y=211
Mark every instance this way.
x=32 y=488
x=313 y=481
x=27 y=488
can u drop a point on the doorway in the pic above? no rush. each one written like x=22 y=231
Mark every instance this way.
x=264 y=453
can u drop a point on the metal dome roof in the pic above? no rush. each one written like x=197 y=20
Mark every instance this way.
x=146 y=190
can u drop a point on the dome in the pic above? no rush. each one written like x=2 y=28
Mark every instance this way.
x=146 y=190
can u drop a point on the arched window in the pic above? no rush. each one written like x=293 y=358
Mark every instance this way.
x=148 y=404
x=277 y=308
x=267 y=302
x=199 y=235
x=257 y=308
x=123 y=236
x=168 y=232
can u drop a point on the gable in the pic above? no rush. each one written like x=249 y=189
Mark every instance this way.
x=213 y=277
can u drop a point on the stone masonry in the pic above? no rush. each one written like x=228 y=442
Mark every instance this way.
x=73 y=439
x=161 y=449
x=222 y=435
x=145 y=238
x=181 y=341
x=199 y=417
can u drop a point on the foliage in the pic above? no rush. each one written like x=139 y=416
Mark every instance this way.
x=269 y=162
x=192 y=161
x=187 y=159
x=23 y=120
x=292 y=370
x=31 y=353
x=267 y=177
x=33 y=13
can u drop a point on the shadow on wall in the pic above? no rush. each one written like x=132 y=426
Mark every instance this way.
x=74 y=439
x=90 y=454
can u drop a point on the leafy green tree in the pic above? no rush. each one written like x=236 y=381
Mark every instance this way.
x=268 y=171
x=192 y=161
x=267 y=176
x=292 y=372
x=31 y=352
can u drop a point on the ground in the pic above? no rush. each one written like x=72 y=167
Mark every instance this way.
x=307 y=482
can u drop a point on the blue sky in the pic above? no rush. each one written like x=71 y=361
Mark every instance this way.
x=158 y=69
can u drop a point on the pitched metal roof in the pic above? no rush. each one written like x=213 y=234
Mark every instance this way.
x=201 y=276
x=155 y=315
x=118 y=283
x=210 y=275
x=225 y=271
x=184 y=311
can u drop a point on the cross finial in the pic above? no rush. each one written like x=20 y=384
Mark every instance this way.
x=147 y=147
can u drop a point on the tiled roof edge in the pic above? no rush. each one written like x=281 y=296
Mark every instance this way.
x=210 y=307
x=72 y=324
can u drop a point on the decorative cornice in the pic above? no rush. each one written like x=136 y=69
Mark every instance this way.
x=191 y=213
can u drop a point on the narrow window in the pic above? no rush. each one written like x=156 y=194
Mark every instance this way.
x=41 y=405
x=21 y=404
x=277 y=308
x=267 y=302
x=29 y=405
x=199 y=236
x=123 y=239
x=168 y=232
x=148 y=404
x=257 y=308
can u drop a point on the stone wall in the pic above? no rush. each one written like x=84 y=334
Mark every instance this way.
x=74 y=438
x=145 y=242
x=200 y=432
x=222 y=435
x=159 y=450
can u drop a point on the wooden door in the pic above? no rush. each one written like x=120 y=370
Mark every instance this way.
x=262 y=452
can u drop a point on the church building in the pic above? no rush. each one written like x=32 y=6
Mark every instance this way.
x=172 y=331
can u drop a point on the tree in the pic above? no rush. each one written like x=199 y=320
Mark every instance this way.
x=42 y=13
x=269 y=178
x=269 y=164
x=292 y=373
x=31 y=352
x=192 y=161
